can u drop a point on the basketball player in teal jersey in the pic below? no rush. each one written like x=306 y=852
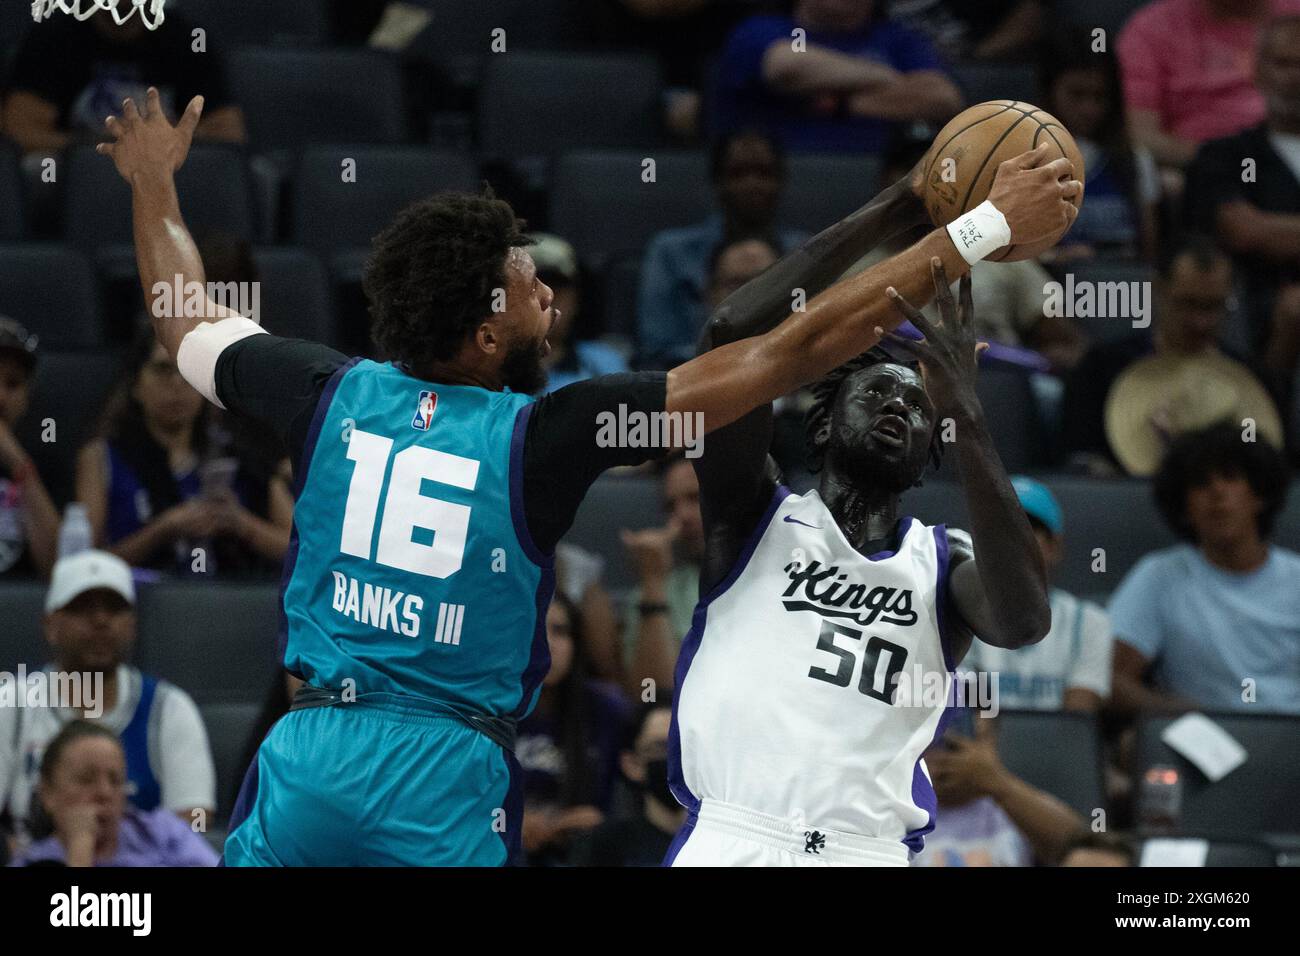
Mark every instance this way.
x=431 y=492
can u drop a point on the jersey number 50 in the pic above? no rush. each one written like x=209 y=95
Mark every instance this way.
x=406 y=510
x=870 y=683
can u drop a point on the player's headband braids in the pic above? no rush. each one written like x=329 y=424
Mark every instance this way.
x=824 y=391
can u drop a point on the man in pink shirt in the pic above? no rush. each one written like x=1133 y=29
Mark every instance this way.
x=1189 y=72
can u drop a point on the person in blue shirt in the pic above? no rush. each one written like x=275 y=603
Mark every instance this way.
x=834 y=76
x=748 y=170
x=1213 y=623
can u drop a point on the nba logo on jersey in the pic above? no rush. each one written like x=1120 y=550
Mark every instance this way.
x=424 y=411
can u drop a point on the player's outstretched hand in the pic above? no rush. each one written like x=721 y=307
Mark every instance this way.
x=1035 y=195
x=948 y=353
x=145 y=142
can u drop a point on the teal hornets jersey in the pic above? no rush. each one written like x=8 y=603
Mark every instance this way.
x=410 y=568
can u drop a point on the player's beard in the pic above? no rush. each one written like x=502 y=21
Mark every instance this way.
x=522 y=370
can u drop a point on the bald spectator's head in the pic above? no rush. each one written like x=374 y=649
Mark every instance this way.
x=1277 y=73
x=748 y=173
x=1097 y=849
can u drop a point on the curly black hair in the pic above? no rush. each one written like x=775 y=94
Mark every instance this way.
x=1196 y=456
x=824 y=391
x=431 y=273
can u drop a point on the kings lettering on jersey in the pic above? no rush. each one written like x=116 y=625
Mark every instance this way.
x=856 y=602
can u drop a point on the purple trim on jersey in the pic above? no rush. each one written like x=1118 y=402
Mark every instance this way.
x=905 y=525
x=679 y=841
x=517 y=515
x=691 y=644
x=539 y=656
x=300 y=482
x=512 y=837
x=922 y=790
x=244 y=801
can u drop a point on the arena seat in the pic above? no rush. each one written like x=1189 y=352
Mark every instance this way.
x=1226 y=853
x=12 y=226
x=1255 y=800
x=822 y=189
x=1110 y=15
x=228 y=726
x=1011 y=413
x=1117 y=516
x=22 y=637
x=64 y=314
x=216 y=641
x=601 y=205
x=70 y=389
x=330 y=214
x=1109 y=327
x=981 y=82
x=1069 y=769
x=618 y=285
x=214 y=186
x=296 y=98
x=297 y=22
x=296 y=301
x=530 y=103
x=615 y=502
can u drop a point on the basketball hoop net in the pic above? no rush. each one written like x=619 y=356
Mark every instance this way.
x=151 y=11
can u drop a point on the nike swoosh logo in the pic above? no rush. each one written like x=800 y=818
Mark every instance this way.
x=815 y=527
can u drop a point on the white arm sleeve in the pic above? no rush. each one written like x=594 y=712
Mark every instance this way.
x=203 y=345
x=186 y=774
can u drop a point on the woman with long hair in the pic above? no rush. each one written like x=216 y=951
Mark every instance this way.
x=1081 y=88
x=568 y=747
x=163 y=488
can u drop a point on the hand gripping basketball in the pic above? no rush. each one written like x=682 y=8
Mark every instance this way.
x=1034 y=195
x=145 y=143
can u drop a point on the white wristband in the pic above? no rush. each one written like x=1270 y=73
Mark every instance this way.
x=980 y=232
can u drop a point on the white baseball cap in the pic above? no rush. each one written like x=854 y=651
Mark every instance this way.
x=88 y=571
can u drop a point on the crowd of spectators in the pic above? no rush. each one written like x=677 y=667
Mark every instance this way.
x=1189 y=122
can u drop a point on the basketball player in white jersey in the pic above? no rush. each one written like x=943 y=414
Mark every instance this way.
x=818 y=665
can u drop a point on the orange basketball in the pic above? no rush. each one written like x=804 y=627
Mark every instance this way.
x=961 y=163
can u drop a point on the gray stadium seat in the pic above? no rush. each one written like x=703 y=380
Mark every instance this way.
x=51 y=289
x=1256 y=799
x=531 y=104
x=619 y=284
x=22 y=638
x=330 y=214
x=1057 y=752
x=822 y=189
x=1110 y=15
x=214 y=187
x=11 y=191
x=70 y=389
x=1108 y=328
x=1117 y=516
x=1287 y=530
x=613 y=503
x=218 y=642
x=981 y=82
x=296 y=300
x=297 y=22
x=601 y=205
x=296 y=98
x=1011 y=414
x=228 y=726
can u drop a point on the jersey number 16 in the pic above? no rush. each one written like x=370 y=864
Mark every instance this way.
x=407 y=511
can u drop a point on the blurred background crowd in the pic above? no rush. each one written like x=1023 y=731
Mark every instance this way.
x=665 y=152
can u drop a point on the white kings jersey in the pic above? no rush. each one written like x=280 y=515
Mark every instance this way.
x=813 y=678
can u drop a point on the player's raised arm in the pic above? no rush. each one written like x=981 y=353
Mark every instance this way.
x=764 y=301
x=147 y=151
x=1003 y=595
x=1029 y=201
